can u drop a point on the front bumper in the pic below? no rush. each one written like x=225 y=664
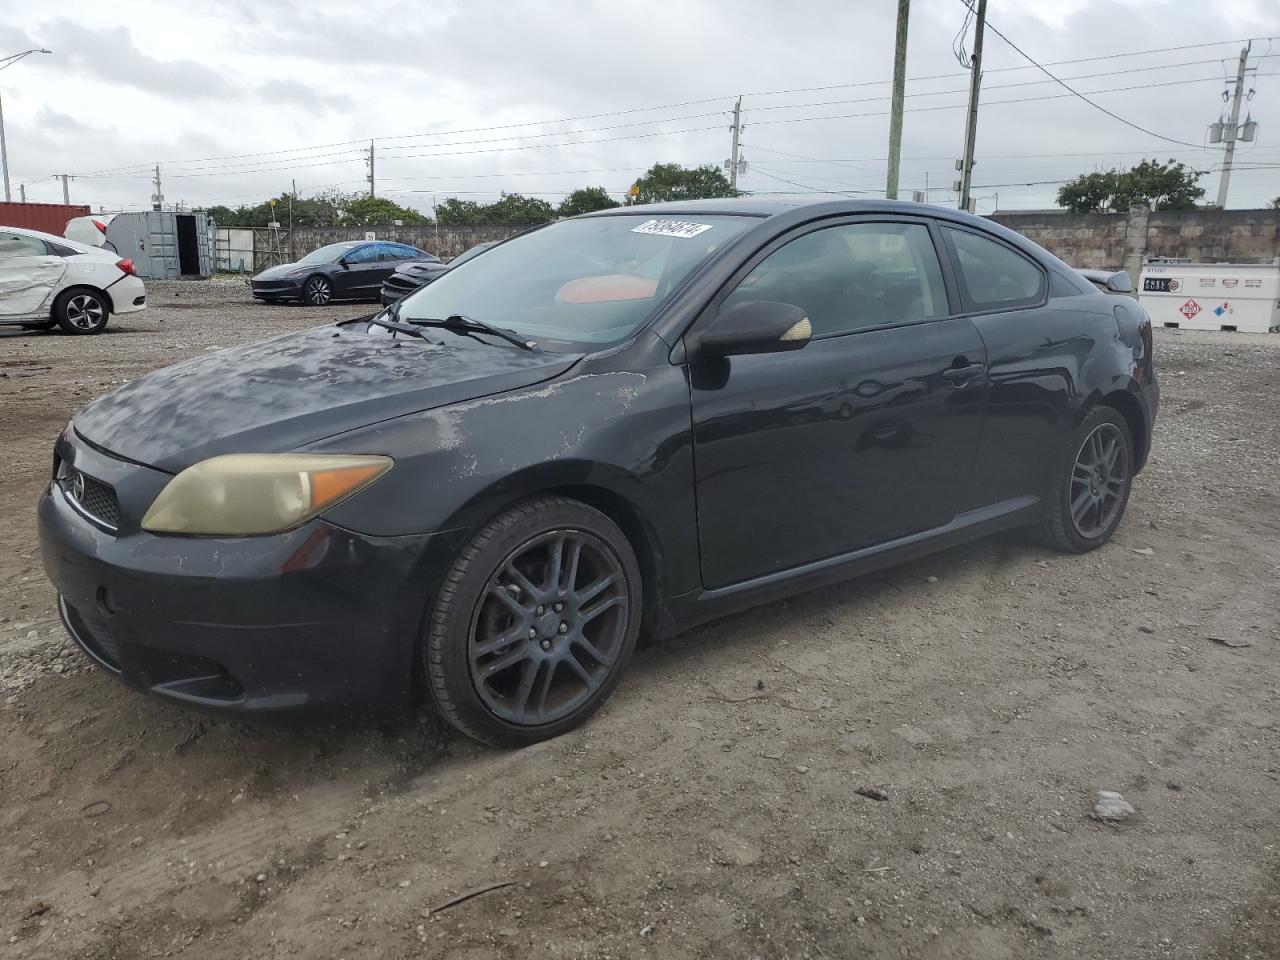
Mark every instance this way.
x=276 y=289
x=319 y=617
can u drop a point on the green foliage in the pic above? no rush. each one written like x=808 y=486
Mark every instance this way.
x=585 y=200
x=670 y=181
x=458 y=213
x=323 y=210
x=510 y=210
x=1275 y=204
x=377 y=211
x=1163 y=186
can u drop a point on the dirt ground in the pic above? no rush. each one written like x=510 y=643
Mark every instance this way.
x=711 y=809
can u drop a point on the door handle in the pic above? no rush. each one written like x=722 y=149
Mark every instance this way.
x=959 y=376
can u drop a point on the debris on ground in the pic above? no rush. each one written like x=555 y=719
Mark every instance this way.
x=1112 y=806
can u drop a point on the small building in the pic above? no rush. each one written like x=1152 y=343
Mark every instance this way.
x=163 y=244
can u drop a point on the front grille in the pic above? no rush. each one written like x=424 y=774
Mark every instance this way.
x=94 y=635
x=95 y=499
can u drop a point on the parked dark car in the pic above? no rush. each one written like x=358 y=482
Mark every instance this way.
x=419 y=273
x=353 y=270
x=629 y=422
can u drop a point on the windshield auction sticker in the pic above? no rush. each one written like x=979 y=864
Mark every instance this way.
x=672 y=228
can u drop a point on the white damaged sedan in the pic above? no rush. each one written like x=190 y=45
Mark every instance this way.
x=47 y=280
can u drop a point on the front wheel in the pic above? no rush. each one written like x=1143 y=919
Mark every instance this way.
x=534 y=624
x=81 y=311
x=1092 y=486
x=317 y=291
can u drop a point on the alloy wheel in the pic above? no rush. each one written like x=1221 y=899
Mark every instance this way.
x=1098 y=480
x=548 y=627
x=85 y=312
x=318 y=292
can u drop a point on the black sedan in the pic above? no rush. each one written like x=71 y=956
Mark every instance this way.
x=354 y=270
x=419 y=273
x=629 y=422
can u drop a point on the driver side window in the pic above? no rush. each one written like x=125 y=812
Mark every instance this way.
x=366 y=254
x=852 y=277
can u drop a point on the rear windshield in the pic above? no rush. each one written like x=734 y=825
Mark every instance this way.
x=577 y=283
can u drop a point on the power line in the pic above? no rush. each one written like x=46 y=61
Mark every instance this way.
x=131 y=168
x=1097 y=106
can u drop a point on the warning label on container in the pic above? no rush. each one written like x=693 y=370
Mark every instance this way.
x=1208 y=281
x=1189 y=309
x=1230 y=282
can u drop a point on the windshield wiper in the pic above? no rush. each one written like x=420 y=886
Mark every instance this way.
x=407 y=328
x=456 y=321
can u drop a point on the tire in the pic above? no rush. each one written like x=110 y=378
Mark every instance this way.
x=1104 y=495
x=317 y=291
x=518 y=649
x=81 y=311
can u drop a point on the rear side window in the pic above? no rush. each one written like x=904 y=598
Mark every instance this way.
x=16 y=245
x=994 y=275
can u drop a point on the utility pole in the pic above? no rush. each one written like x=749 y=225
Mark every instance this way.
x=1231 y=132
x=292 y=193
x=733 y=153
x=157 y=198
x=899 y=94
x=22 y=193
x=371 y=168
x=66 y=193
x=971 y=118
x=6 y=62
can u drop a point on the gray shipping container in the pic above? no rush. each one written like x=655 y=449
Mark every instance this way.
x=163 y=245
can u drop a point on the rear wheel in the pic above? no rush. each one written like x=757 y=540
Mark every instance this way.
x=317 y=291
x=81 y=311
x=534 y=624
x=1092 y=486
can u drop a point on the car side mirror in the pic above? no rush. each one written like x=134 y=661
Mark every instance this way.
x=344 y=263
x=756 y=326
x=1120 y=282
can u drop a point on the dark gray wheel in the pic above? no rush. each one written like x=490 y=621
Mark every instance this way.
x=534 y=624
x=317 y=291
x=81 y=311
x=1092 y=488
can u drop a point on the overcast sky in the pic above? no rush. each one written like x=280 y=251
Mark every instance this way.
x=235 y=98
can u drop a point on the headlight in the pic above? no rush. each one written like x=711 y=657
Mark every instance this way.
x=244 y=494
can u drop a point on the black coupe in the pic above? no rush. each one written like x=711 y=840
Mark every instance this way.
x=354 y=270
x=620 y=424
x=418 y=273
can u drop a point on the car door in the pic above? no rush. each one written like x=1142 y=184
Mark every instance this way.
x=29 y=276
x=1038 y=352
x=362 y=276
x=866 y=434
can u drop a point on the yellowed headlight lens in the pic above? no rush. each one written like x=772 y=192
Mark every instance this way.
x=245 y=494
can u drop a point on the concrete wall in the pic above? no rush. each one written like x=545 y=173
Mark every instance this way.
x=446 y=242
x=1116 y=241
x=1120 y=241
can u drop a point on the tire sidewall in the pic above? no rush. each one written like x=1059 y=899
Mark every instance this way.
x=1096 y=418
x=306 y=290
x=446 y=636
x=63 y=302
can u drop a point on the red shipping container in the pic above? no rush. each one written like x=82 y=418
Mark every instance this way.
x=46 y=217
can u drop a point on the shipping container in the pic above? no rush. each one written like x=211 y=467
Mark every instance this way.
x=45 y=217
x=163 y=244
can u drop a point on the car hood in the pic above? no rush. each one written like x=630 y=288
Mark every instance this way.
x=421 y=268
x=283 y=270
x=282 y=393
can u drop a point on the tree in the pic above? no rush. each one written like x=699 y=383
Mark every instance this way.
x=513 y=209
x=1164 y=186
x=458 y=213
x=322 y=210
x=1275 y=204
x=670 y=181
x=377 y=211
x=584 y=200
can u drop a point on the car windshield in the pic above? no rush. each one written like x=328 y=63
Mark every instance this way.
x=327 y=254
x=577 y=283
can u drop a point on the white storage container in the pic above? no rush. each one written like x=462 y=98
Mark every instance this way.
x=1242 y=297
